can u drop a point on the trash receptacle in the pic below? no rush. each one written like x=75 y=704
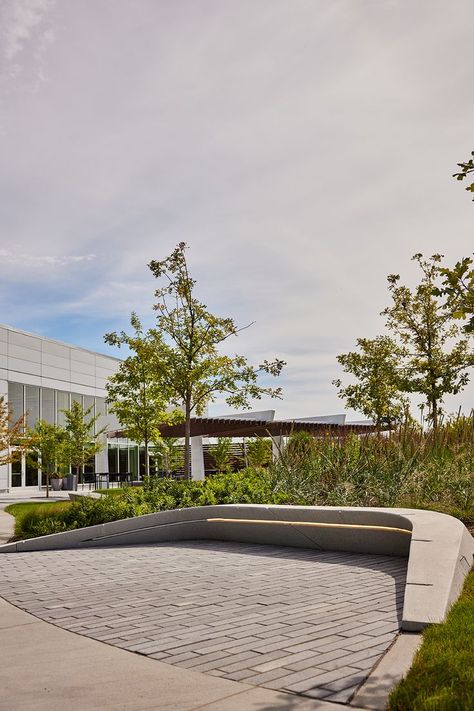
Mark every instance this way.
x=71 y=482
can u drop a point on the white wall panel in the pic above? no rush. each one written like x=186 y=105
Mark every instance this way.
x=26 y=378
x=48 y=371
x=82 y=379
x=24 y=340
x=55 y=384
x=82 y=356
x=28 y=354
x=56 y=349
x=106 y=363
x=24 y=366
x=3 y=334
x=55 y=361
x=78 y=367
x=3 y=477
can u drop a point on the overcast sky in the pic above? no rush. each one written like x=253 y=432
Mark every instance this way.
x=302 y=148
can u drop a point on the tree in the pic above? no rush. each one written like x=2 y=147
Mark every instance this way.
x=135 y=392
x=169 y=454
x=467 y=169
x=222 y=454
x=458 y=288
x=82 y=440
x=377 y=393
x=48 y=442
x=437 y=360
x=458 y=282
x=12 y=435
x=191 y=369
x=258 y=451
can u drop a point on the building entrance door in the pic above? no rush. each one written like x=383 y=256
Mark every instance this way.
x=25 y=472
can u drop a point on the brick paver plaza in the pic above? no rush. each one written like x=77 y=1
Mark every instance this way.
x=301 y=621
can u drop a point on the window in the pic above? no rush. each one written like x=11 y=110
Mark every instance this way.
x=31 y=471
x=15 y=400
x=62 y=403
x=47 y=405
x=16 y=472
x=123 y=459
x=113 y=458
x=32 y=403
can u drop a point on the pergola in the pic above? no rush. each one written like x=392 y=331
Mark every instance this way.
x=261 y=426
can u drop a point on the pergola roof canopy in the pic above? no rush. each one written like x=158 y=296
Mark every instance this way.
x=241 y=427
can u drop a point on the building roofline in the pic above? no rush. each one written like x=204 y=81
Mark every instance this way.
x=56 y=342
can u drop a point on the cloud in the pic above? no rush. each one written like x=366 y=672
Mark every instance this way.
x=22 y=21
x=42 y=260
x=303 y=155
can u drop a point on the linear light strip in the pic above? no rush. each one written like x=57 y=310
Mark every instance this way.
x=312 y=524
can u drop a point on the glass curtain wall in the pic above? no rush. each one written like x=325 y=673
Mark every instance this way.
x=124 y=457
x=48 y=404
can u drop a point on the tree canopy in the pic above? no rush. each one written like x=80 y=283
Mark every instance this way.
x=136 y=393
x=82 y=436
x=192 y=371
x=458 y=288
x=437 y=359
x=377 y=367
x=467 y=170
x=12 y=434
x=49 y=443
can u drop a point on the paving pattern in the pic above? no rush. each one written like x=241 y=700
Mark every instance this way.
x=301 y=621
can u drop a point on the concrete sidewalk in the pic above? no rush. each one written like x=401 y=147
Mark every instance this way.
x=7 y=524
x=44 y=668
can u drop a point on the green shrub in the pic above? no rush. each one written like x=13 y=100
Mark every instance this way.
x=246 y=486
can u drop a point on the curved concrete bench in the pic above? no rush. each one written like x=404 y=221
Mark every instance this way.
x=439 y=547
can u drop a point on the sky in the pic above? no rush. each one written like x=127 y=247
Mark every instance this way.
x=303 y=149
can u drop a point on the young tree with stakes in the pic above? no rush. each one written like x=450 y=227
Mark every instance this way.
x=191 y=368
x=438 y=360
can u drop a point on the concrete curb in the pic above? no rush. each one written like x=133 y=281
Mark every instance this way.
x=439 y=548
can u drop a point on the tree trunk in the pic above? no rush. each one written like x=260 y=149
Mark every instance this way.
x=378 y=427
x=47 y=485
x=187 y=440
x=147 y=460
x=435 y=416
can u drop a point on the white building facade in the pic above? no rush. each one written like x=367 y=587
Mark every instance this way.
x=42 y=377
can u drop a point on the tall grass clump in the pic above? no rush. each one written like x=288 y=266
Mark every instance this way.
x=406 y=467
